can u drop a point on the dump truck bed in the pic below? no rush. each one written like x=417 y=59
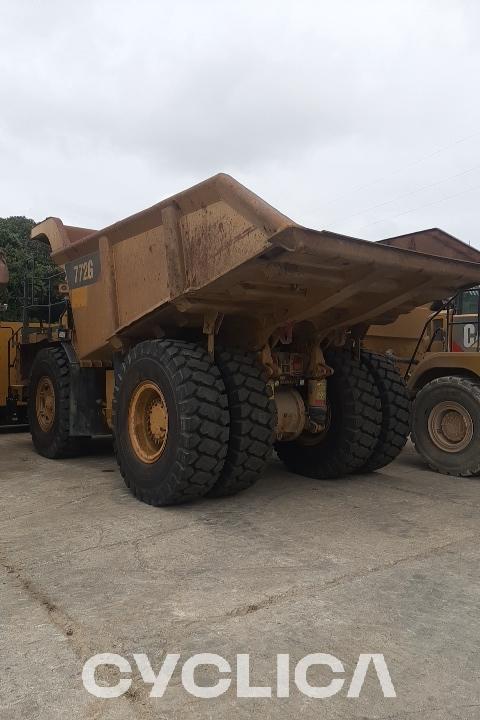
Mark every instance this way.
x=219 y=252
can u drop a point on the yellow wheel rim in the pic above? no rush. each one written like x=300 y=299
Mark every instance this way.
x=148 y=422
x=45 y=404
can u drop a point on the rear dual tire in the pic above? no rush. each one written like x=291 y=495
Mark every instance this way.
x=172 y=442
x=355 y=424
x=396 y=409
x=185 y=426
x=252 y=422
x=369 y=425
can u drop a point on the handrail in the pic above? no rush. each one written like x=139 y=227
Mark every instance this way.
x=11 y=364
x=445 y=305
x=29 y=303
x=449 y=306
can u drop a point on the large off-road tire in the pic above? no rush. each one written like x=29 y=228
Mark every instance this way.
x=396 y=409
x=170 y=421
x=355 y=424
x=252 y=422
x=446 y=425
x=49 y=405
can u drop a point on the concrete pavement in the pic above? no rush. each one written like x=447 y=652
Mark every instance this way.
x=382 y=563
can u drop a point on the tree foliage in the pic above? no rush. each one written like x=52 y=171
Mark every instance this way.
x=29 y=266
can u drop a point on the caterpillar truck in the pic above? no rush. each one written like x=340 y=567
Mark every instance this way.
x=436 y=348
x=13 y=404
x=210 y=329
x=4 y=277
x=11 y=414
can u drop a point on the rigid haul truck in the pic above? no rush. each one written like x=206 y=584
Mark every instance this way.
x=209 y=329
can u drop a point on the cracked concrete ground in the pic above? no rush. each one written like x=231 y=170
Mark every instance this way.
x=386 y=562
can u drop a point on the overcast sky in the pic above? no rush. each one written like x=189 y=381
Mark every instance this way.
x=361 y=117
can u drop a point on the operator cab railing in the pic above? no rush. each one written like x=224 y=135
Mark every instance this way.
x=42 y=309
x=42 y=303
x=458 y=329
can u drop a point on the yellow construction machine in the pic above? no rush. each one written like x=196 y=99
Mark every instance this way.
x=208 y=329
x=40 y=317
x=11 y=415
x=436 y=349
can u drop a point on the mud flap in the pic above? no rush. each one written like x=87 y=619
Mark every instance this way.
x=87 y=398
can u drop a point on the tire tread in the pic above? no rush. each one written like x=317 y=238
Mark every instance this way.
x=252 y=422
x=202 y=406
x=396 y=409
x=460 y=382
x=359 y=431
x=63 y=445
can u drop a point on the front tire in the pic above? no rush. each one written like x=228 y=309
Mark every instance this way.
x=170 y=421
x=49 y=405
x=446 y=425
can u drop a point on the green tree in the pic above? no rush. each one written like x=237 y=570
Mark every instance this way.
x=29 y=265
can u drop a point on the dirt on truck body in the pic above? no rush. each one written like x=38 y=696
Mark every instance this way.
x=210 y=328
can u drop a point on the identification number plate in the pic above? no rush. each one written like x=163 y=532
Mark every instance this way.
x=84 y=271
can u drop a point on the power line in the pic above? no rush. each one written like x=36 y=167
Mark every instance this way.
x=420 y=207
x=404 y=167
x=411 y=192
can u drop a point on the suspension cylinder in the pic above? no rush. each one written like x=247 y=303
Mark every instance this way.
x=317 y=402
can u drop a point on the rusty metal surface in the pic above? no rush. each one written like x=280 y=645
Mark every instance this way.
x=217 y=247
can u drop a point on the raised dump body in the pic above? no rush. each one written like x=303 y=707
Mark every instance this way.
x=218 y=248
x=229 y=328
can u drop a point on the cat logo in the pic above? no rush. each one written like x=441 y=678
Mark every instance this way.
x=469 y=335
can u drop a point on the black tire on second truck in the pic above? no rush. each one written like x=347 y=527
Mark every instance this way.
x=355 y=425
x=49 y=405
x=252 y=422
x=446 y=425
x=396 y=409
x=170 y=421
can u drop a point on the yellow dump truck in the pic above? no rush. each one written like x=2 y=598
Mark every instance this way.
x=210 y=328
x=14 y=391
x=10 y=414
x=3 y=346
x=437 y=349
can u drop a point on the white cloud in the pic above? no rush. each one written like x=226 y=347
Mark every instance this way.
x=322 y=108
